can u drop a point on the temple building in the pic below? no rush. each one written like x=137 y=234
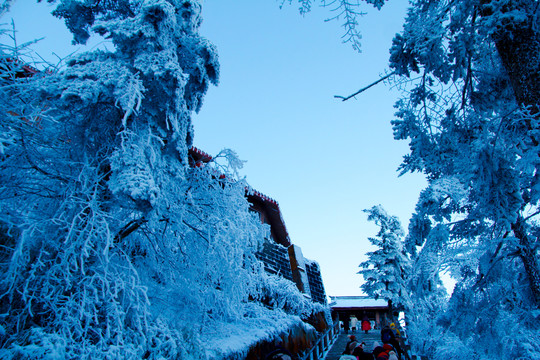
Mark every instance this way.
x=346 y=308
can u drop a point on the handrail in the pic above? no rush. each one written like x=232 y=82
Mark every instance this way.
x=321 y=338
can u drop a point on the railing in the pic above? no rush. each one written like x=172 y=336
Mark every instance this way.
x=323 y=344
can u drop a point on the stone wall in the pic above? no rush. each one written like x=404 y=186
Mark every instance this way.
x=305 y=273
x=315 y=282
x=276 y=259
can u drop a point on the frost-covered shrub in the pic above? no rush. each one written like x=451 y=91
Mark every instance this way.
x=279 y=293
x=453 y=348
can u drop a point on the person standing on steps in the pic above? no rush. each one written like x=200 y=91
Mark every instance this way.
x=346 y=323
x=354 y=321
x=395 y=330
x=350 y=345
x=366 y=324
x=389 y=337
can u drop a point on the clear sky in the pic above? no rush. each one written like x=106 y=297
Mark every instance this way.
x=323 y=160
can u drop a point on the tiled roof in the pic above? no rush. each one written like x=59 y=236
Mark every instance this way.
x=356 y=302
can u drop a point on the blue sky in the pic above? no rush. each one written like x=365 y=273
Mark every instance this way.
x=323 y=160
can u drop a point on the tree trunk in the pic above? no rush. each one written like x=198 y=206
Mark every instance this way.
x=527 y=253
x=518 y=45
x=521 y=59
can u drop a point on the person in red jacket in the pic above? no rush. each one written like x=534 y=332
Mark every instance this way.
x=366 y=324
x=385 y=353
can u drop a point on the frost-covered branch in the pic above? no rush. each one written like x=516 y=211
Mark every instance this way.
x=345 y=11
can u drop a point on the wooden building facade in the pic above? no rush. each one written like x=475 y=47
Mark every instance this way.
x=345 y=308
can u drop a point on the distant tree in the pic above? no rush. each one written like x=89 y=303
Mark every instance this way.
x=386 y=270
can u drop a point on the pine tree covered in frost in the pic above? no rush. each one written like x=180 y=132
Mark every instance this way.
x=470 y=113
x=469 y=71
x=386 y=270
x=112 y=246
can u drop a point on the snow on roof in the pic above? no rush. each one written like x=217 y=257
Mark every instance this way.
x=356 y=302
x=224 y=340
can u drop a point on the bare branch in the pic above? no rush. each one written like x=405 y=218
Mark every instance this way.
x=345 y=98
x=129 y=228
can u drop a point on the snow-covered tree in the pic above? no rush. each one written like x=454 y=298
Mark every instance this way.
x=467 y=121
x=386 y=270
x=469 y=71
x=470 y=113
x=111 y=244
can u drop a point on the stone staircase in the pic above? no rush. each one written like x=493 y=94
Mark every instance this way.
x=337 y=349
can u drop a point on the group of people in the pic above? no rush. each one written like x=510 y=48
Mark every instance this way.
x=389 y=350
x=365 y=325
x=356 y=350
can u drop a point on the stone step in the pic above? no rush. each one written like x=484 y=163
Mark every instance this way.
x=337 y=349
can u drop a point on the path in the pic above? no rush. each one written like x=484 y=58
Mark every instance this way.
x=337 y=349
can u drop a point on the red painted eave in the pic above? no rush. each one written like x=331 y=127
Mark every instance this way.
x=273 y=212
x=21 y=70
x=198 y=157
